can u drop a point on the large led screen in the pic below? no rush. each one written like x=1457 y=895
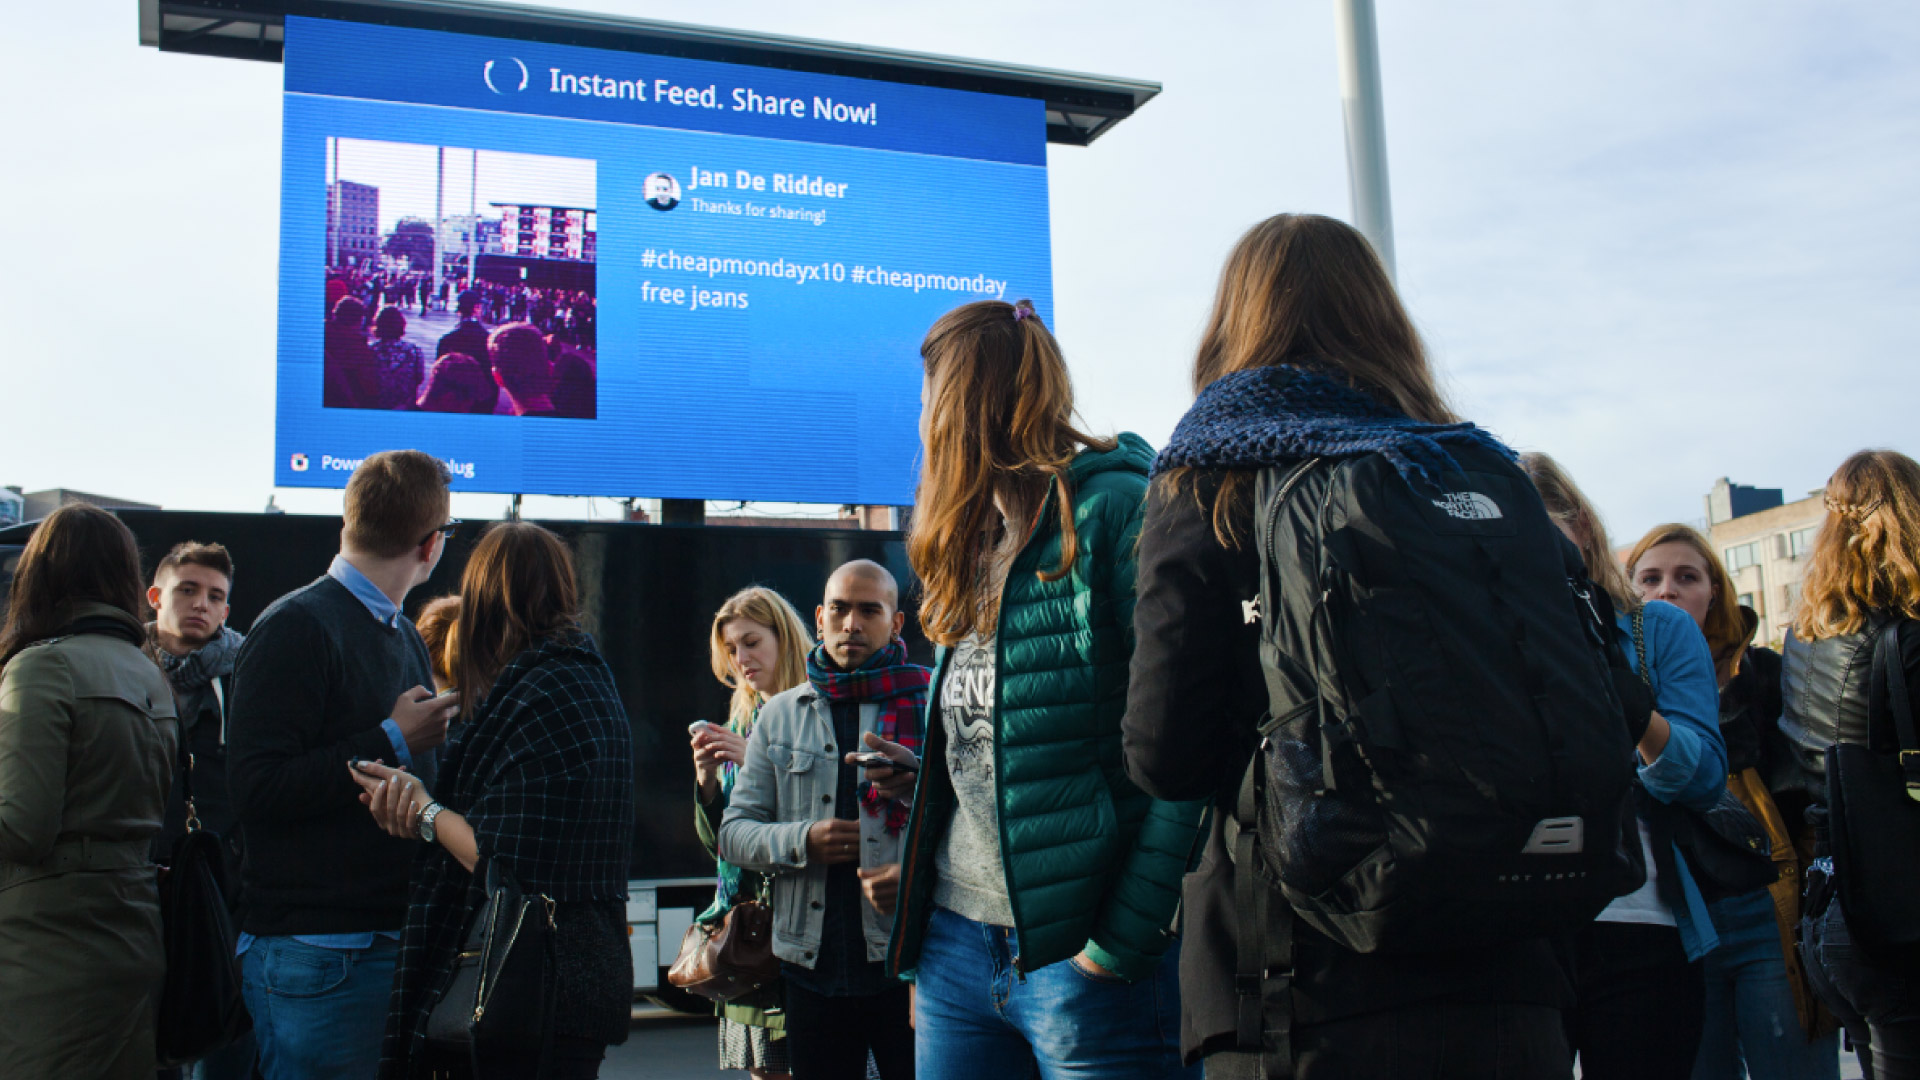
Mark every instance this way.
x=582 y=272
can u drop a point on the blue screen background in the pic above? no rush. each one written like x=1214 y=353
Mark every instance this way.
x=809 y=394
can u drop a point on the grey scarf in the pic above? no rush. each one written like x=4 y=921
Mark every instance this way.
x=189 y=673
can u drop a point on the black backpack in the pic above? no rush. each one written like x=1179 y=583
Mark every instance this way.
x=1445 y=763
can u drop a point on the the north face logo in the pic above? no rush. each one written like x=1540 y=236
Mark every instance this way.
x=1469 y=506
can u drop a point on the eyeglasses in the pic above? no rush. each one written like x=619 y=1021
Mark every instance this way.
x=446 y=530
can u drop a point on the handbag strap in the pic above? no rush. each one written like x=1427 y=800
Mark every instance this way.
x=1889 y=670
x=183 y=761
x=1640 y=643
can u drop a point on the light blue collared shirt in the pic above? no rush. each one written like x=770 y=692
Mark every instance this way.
x=384 y=609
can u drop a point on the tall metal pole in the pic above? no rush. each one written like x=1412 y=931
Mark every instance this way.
x=439 y=210
x=1354 y=27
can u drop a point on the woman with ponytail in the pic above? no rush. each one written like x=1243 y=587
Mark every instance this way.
x=1037 y=882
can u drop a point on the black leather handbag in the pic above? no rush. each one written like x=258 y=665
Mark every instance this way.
x=1873 y=808
x=201 y=1009
x=1728 y=851
x=501 y=991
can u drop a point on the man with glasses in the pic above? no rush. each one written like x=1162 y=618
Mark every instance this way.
x=330 y=672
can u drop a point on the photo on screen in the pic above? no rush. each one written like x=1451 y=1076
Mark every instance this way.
x=459 y=281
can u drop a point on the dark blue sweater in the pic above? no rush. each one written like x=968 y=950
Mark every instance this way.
x=315 y=679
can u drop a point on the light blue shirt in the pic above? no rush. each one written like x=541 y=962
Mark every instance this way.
x=384 y=609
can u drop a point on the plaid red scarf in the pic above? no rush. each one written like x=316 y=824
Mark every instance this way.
x=899 y=688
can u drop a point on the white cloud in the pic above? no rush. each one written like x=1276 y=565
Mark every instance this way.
x=1666 y=242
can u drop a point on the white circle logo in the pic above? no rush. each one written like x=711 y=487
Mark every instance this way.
x=503 y=84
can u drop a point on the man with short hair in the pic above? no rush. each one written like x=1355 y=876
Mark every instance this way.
x=190 y=639
x=331 y=672
x=523 y=366
x=469 y=336
x=799 y=809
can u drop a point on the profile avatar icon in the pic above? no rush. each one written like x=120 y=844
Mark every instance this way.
x=663 y=191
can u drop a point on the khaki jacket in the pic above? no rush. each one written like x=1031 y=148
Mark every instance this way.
x=87 y=738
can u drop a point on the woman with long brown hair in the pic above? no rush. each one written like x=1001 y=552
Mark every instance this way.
x=1306 y=353
x=537 y=782
x=1862 y=584
x=87 y=744
x=1028 y=850
x=1761 y=1012
x=757 y=647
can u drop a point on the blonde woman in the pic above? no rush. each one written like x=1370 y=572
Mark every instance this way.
x=759 y=649
x=1863 y=582
x=1638 y=975
x=1761 y=1015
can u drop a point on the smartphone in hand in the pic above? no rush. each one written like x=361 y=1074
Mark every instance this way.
x=873 y=759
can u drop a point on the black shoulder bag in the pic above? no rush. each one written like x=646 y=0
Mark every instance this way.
x=501 y=991
x=1727 y=850
x=1873 y=807
x=201 y=1009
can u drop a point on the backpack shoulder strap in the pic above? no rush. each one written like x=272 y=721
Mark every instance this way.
x=1263 y=947
x=1889 y=671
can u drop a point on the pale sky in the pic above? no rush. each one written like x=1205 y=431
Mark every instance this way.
x=1665 y=242
x=406 y=173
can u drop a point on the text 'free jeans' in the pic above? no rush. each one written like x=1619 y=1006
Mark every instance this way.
x=976 y=1017
x=318 y=1013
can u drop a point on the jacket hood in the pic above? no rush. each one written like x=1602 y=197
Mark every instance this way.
x=1132 y=454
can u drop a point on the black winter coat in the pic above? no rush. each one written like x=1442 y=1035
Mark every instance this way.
x=1195 y=697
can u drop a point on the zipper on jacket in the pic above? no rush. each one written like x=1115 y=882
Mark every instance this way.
x=1000 y=743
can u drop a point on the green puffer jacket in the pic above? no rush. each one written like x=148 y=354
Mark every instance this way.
x=1091 y=861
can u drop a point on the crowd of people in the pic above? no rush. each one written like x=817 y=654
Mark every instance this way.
x=1331 y=740
x=538 y=359
x=568 y=313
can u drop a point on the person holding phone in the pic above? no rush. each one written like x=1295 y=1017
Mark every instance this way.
x=538 y=782
x=329 y=672
x=801 y=811
x=758 y=648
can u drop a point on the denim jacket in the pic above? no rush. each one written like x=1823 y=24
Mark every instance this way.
x=1692 y=770
x=786 y=784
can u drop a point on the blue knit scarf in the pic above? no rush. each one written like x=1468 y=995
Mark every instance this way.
x=1268 y=415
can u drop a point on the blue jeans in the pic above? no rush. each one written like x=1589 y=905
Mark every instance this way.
x=975 y=1017
x=318 y=1014
x=1750 y=1012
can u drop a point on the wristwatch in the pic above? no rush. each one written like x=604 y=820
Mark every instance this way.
x=426 y=820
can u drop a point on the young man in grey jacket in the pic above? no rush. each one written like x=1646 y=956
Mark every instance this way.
x=800 y=812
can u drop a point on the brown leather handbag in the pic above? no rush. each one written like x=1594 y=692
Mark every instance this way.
x=729 y=956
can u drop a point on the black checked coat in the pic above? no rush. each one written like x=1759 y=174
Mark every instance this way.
x=543 y=772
